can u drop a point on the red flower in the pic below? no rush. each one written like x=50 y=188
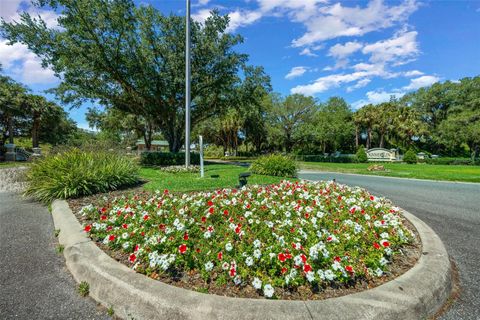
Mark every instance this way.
x=225 y=212
x=198 y=250
x=165 y=191
x=304 y=258
x=372 y=198
x=282 y=257
x=220 y=256
x=132 y=257
x=210 y=203
x=385 y=243
x=104 y=210
x=211 y=210
x=111 y=237
x=376 y=245
x=124 y=226
x=238 y=229
x=329 y=238
x=204 y=219
x=307 y=268
x=284 y=270
x=136 y=248
x=103 y=217
x=109 y=228
x=210 y=228
x=338 y=259
x=88 y=228
x=233 y=272
x=182 y=248
x=145 y=217
x=185 y=236
x=162 y=226
x=289 y=256
x=349 y=268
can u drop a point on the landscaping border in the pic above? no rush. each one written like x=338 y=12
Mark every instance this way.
x=417 y=294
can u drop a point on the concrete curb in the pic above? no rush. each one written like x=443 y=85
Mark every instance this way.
x=417 y=294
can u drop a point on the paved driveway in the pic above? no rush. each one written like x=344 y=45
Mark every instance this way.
x=34 y=282
x=451 y=209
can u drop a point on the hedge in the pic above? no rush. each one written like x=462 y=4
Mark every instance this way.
x=167 y=158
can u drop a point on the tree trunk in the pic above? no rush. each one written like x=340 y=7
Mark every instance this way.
x=356 y=137
x=10 y=130
x=35 y=129
x=147 y=135
x=369 y=138
x=382 y=140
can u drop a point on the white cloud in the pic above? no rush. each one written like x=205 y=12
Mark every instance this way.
x=399 y=49
x=238 y=18
x=376 y=97
x=360 y=84
x=22 y=64
x=342 y=51
x=413 y=73
x=308 y=52
x=335 y=20
x=423 y=81
x=296 y=72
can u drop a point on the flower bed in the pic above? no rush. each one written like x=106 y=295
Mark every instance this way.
x=289 y=240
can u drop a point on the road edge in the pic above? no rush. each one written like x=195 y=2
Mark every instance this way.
x=416 y=294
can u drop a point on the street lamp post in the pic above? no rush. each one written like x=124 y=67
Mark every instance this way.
x=187 y=87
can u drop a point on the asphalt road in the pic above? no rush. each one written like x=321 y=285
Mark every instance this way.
x=34 y=282
x=451 y=209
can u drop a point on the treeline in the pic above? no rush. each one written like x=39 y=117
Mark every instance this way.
x=23 y=114
x=443 y=119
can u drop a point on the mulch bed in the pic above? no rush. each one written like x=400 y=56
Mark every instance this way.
x=401 y=263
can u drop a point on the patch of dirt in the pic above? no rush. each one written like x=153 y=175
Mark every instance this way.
x=192 y=280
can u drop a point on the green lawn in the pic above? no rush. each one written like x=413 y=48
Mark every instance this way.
x=228 y=178
x=418 y=171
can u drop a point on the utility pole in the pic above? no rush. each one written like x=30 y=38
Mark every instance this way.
x=187 y=87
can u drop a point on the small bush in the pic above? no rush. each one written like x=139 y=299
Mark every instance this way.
x=78 y=173
x=452 y=161
x=83 y=288
x=275 y=165
x=167 y=158
x=361 y=155
x=410 y=157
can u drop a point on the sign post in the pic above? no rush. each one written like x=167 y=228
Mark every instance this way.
x=200 y=138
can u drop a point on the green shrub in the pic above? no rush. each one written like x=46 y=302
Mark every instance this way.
x=77 y=173
x=322 y=158
x=167 y=158
x=410 y=157
x=452 y=161
x=275 y=165
x=361 y=155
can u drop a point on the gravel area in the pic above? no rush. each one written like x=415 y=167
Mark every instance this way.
x=12 y=179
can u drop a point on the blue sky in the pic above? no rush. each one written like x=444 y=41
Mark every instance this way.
x=363 y=51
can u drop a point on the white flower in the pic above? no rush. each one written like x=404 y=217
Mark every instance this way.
x=379 y=272
x=321 y=274
x=124 y=235
x=310 y=276
x=237 y=280
x=125 y=245
x=225 y=266
x=228 y=246
x=257 y=243
x=257 y=283
x=257 y=253
x=384 y=235
x=249 y=261
x=207 y=234
x=388 y=251
x=383 y=261
x=329 y=275
x=268 y=291
x=209 y=266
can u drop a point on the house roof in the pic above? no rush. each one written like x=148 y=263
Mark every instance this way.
x=162 y=143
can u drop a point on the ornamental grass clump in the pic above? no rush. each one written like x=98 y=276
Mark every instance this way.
x=275 y=165
x=271 y=240
x=77 y=173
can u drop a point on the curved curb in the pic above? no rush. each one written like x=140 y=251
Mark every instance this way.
x=417 y=294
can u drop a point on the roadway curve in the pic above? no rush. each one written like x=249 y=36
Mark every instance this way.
x=451 y=209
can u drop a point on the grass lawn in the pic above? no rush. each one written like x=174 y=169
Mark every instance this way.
x=228 y=178
x=418 y=171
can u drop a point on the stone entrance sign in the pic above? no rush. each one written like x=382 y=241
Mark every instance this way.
x=380 y=154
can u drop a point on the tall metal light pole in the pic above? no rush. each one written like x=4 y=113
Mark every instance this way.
x=187 y=87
